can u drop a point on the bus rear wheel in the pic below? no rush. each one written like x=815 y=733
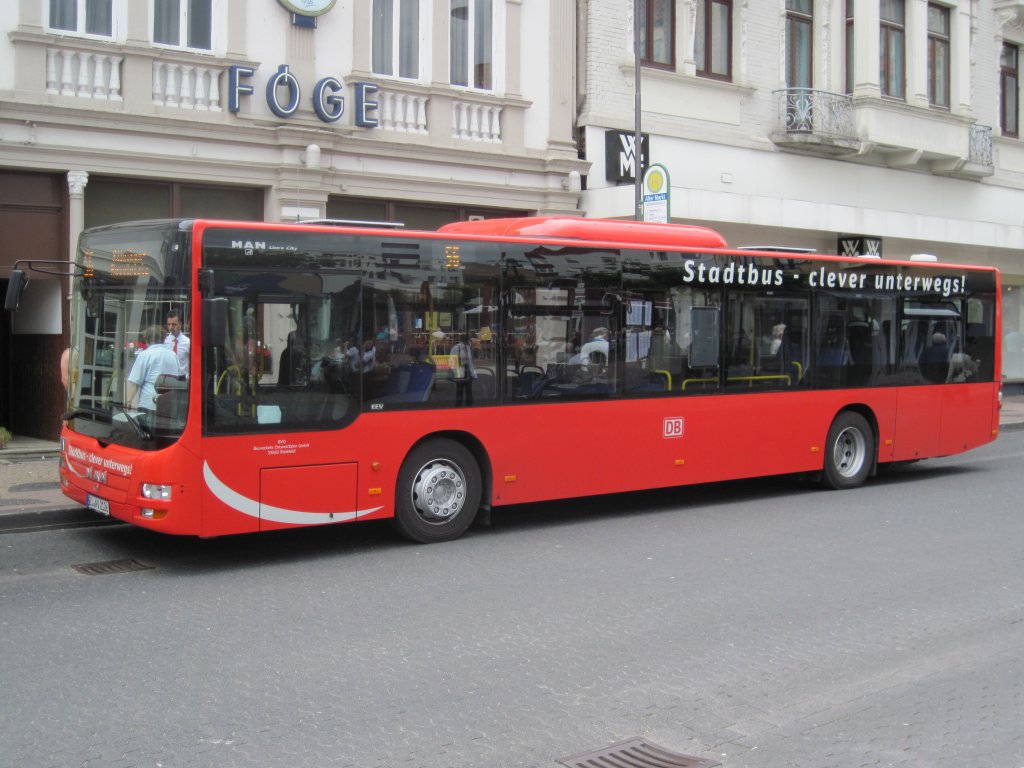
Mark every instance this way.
x=849 y=451
x=438 y=492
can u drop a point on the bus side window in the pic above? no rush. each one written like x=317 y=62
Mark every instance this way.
x=701 y=371
x=270 y=372
x=932 y=341
x=978 y=360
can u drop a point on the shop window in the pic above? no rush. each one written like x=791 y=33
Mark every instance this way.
x=219 y=202
x=108 y=201
x=409 y=214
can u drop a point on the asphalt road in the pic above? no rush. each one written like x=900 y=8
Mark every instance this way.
x=756 y=624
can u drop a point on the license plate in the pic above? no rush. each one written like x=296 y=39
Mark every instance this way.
x=96 y=504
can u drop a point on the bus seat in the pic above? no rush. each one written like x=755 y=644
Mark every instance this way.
x=171 y=398
x=486 y=380
x=834 y=356
x=526 y=383
x=937 y=350
x=409 y=383
x=652 y=381
x=167 y=382
x=794 y=353
x=934 y=360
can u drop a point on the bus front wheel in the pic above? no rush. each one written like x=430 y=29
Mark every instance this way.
x=438 y=492
x=849 y=451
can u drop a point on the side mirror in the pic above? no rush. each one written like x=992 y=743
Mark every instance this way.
x=206 y=284
x=15 y=288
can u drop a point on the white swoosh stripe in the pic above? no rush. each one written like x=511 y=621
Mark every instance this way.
x=71 y=466
x=253 y=508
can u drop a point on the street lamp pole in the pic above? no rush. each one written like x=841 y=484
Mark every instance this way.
x=638 y=212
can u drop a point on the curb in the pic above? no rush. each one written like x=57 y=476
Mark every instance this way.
x=52 y=518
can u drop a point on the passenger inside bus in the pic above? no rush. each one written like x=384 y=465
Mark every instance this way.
x=293 y=369
x=935 y=358
x=595 y=351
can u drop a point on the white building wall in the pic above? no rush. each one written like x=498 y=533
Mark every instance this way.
x=715 y=139
x=76 y=103
x=903 y=174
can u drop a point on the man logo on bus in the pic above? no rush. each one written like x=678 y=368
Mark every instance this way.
x=674 y=426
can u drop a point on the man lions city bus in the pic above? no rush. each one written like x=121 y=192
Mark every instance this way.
x=343 y=372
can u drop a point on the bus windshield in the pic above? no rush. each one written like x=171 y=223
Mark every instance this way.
x=128 y=380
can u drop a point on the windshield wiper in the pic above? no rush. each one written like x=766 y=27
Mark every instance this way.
x=140 y=430
x=95 y=413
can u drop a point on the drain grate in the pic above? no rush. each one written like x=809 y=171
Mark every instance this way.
x=127 y=565
x=635 y=753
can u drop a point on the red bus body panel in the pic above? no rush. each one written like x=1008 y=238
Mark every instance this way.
x=530 y=453
x=611 y=230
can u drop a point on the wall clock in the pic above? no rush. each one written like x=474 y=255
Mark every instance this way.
x=308 y=7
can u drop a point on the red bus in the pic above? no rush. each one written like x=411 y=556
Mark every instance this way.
x=346 y=372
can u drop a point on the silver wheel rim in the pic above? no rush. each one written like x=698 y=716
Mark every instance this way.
x=849 y=452
x=438 y=493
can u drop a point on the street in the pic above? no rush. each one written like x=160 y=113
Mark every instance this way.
x=755 y=624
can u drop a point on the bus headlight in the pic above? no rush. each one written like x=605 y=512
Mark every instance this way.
x=154 y=491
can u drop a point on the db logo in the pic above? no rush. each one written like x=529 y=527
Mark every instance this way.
x=674 y=427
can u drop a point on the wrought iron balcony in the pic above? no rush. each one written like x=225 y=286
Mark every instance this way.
x=976 y=163
x=980 y=151
x=815 y=121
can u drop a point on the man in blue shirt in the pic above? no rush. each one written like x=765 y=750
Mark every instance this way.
x=150 y=364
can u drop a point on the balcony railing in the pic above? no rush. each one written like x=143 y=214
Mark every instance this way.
x=402 y=112
x=141 y=80
x=81 y=73
x=819 y=113
x=980 y=150
x=186 y=86
x=476 y=122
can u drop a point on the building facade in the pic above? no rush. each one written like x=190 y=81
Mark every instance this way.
x=855 y=126
x=421 y=111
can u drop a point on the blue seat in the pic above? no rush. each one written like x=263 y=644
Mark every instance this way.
x=409 y=383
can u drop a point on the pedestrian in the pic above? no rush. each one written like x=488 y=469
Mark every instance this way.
x=65 y=361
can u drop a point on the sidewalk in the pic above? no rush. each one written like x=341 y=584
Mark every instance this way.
x=30 y=497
